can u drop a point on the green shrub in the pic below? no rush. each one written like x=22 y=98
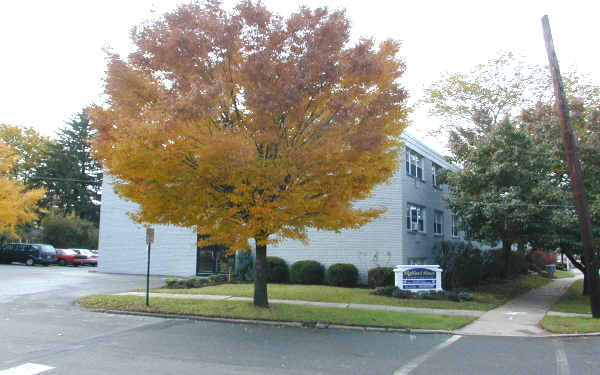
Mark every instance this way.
x=463 y=264
x=380 y=276
x=404 y=294
x=542 y=258
x=386 y=290
x=191 y=282
x=307 y=272
x=213 y=278
x=561 y=266
x=494 y=264
x=277 y=270
x=342 y=274
x=464 y=296
x=69 y=231
x=453 y=296
x=171 y=282
x=438 y=296
x=244 y=266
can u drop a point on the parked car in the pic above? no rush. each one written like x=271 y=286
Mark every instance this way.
x=90 y=259
x=70 y=257
x=28 y=253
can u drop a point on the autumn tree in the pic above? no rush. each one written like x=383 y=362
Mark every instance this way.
x=248 y=126
x=17 y=204
x=30 y=151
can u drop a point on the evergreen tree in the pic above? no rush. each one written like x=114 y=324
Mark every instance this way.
x=73 y=177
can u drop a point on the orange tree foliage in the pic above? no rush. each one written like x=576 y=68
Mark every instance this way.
x=17 y=205
x=246 y=125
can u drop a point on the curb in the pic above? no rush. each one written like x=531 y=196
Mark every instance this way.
x=320 y=325
x=278 y=323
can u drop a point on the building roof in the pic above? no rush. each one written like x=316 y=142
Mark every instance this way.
x=415 y=144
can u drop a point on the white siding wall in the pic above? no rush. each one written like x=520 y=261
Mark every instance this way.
x=376 y=244
x=122 y=242
x=384 y=242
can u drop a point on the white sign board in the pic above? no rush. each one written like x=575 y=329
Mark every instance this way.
x=418 y=278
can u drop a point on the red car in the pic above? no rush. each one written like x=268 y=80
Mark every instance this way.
x=68 y=256
x=87 y=257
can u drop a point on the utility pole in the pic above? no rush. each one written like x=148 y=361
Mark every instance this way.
x=574 y=167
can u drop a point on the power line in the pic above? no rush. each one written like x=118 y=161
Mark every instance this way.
x=62 y=179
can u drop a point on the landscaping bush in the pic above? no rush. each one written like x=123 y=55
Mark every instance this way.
x=170 y=283
x=462 y=263
x=464 y=296
x=342 y=274
x=380 y=276
x=307 y=272
x=494 y=263
x=385 y=290
x=393 y=291
x=404 y=294
x=438 y=296
x=561 y=266
x=214 y=278
x=244 y=266
x=277 y=270
x=542 y=258
x=191 y=282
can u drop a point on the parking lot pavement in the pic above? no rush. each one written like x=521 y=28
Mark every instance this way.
x=37 y=311
x=44 y=332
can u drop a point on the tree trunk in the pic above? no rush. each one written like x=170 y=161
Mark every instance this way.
x=506 y=252
x=586 y=285
x=594 y=289
x=260 y=277
x=582 y=267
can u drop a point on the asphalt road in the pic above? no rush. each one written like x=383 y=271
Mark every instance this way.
x=42 y=331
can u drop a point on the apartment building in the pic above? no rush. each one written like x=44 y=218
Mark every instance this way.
x=416 y=219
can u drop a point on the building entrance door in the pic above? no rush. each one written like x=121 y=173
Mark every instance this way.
x=208 y=259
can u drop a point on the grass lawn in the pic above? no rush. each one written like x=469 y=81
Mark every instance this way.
x=560 y=274
x=559 y=324
x=572 y=302
x=279 y=312
x=485 y=297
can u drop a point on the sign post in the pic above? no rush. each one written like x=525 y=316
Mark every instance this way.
x=149 y=240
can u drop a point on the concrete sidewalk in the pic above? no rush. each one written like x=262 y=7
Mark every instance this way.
x=312 y=303
x=522 y=315
x=518 y=317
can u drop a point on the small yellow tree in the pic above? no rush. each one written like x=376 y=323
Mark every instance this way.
x=17 y=205
x=248 y=126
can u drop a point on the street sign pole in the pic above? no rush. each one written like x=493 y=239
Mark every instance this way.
x=149 y=240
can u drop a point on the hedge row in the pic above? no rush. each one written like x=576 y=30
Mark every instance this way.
x=311 y=272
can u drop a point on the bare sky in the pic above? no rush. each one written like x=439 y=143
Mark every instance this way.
x=52 y=64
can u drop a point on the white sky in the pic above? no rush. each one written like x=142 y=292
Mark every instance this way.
x=52 y=64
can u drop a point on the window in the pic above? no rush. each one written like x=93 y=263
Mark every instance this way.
x=438 y=223
x=414 y=164
x=435 y=175
x=415 y=218
x=455 y=223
